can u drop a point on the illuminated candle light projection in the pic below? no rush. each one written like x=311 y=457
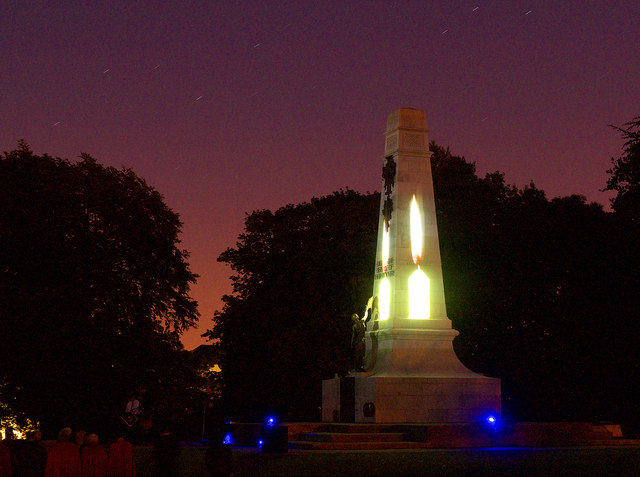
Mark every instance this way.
x=418 y=296
x=416 y=231
x=384 y=290
x=385 y=250
x=418 y=281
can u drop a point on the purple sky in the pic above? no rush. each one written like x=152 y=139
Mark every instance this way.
x=230 y=106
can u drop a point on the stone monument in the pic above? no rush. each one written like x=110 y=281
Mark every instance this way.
x=411 y=371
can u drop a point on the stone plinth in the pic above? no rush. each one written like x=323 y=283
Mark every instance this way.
x=413 y=399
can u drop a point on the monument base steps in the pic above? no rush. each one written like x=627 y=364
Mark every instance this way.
x=446 y=436
x=369 y=437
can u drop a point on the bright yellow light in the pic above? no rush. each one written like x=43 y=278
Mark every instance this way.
x=385 y=249
x=384 y=298
x=10 y=420
x=416 y=231
x=419 y=296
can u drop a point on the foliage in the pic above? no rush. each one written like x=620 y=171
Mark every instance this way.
x=93 y=286
x=543 y=293
x=538 y=290
x=625 y=173
x=300 y=273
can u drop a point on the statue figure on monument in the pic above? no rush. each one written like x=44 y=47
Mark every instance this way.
x=358 y=329
x=358 y=346
x=371 y=311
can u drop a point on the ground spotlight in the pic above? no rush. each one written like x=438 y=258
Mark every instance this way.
x=274 y=437
x=492 y=423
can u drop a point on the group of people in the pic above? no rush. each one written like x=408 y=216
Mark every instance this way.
x=83 y=456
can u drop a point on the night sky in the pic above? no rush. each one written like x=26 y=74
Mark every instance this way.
x=227 y=107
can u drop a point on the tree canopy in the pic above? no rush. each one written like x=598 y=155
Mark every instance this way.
x=625 y=174
x=93 y=285
x=300 y=272
x=542 y=291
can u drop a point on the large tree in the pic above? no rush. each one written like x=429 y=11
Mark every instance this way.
x=542 y=292
x=300 y=272
x=624 y=179
x=624 y=176
x=93 y=285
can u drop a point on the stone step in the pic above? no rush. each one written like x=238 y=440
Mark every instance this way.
x=352 y=446
x=336 y=436
x=352 y=437
x=356 y=428
x=308 y=445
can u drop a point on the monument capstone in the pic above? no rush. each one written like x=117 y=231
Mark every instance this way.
x=411 y=372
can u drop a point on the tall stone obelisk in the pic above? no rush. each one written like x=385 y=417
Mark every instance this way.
x=412 y=373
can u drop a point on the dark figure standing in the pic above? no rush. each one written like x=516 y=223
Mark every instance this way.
x=64 y=457
x=219 y=458
x=6 y=469
x=357 y=342
x=165 y=453
x=358 y=330
x=145 y=421
x=121 y=462
x=130 y=418
x=93 y=458
x=30 y=457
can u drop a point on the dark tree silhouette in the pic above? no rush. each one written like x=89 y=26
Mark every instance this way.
x=625 y=173
x=300 y=272
x=93 y=286
x=541 y=292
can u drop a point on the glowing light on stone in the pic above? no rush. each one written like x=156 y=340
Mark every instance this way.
x=416 y=231
x=419 y=308
x=384 y=299
x=419 y=296
x=385 y=249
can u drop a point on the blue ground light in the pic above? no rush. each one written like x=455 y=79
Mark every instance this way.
x=491 y=420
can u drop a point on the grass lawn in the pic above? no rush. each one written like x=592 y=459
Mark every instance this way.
x=564 y=462
x=191 y=462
